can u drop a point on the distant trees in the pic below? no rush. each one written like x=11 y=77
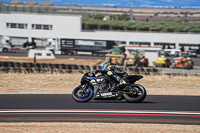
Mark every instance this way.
x=118 y=17
x=97 y=23
x=98 y=16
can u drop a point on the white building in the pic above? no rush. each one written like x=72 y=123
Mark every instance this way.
x=69 y=26
x=39 y=26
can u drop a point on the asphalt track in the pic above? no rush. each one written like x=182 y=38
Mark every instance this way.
x=62 y=108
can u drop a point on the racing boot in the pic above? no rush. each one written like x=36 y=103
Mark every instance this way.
x=121 y=84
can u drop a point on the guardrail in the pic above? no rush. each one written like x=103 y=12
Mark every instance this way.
x=44 y=68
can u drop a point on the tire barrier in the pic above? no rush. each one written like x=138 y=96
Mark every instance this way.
x=45 y=68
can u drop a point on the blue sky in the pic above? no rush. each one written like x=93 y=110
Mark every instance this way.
x=123 y=3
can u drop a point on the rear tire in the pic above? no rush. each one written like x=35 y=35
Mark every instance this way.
x=63 y=53
x=190 y=64
x=5 y=50
x=82 y=96
x=135 y=96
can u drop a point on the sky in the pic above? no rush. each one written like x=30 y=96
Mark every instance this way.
x=124 y=3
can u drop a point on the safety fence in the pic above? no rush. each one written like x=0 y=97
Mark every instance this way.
x=44 y=68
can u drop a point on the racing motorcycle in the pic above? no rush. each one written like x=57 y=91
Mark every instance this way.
x=99 y=88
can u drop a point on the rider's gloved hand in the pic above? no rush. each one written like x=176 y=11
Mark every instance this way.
x=95 y=71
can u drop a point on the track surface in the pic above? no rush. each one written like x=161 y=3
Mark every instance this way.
x=63 y=107
x=65 y=101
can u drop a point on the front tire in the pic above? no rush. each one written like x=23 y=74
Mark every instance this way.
x=137 y=93
x=82 y=95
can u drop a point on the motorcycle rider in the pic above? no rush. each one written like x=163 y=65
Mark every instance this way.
x=113 y=72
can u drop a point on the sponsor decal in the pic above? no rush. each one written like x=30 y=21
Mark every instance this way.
x=106 y=94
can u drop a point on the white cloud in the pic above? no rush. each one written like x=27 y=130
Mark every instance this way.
x=108 y=4
x=146 y=2
x=167 y=0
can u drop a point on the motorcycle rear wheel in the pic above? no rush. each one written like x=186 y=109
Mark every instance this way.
x=137 y=93
x=81 y=95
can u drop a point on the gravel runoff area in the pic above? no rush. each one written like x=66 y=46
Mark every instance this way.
x=65 y=83
x=96 y=128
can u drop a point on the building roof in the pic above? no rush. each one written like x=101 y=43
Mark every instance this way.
x=47 y=4
x=32 y=3
x=15 y=2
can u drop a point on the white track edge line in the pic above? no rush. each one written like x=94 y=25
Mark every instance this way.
x=91 y=111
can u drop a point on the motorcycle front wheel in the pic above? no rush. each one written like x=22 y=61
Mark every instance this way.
x=136 y=93
x=82 y=93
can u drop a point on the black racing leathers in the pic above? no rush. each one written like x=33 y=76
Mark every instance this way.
x=114 y=72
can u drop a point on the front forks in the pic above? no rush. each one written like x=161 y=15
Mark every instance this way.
x=84 y=87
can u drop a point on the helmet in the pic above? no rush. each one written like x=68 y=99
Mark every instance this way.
x=104 y=65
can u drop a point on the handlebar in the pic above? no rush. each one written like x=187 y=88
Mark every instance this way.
x=94 y=72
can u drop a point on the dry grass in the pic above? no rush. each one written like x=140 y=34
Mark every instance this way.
x=65 y=83
x=172 y=85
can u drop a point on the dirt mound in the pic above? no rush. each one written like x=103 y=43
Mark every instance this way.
x=53 y=61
